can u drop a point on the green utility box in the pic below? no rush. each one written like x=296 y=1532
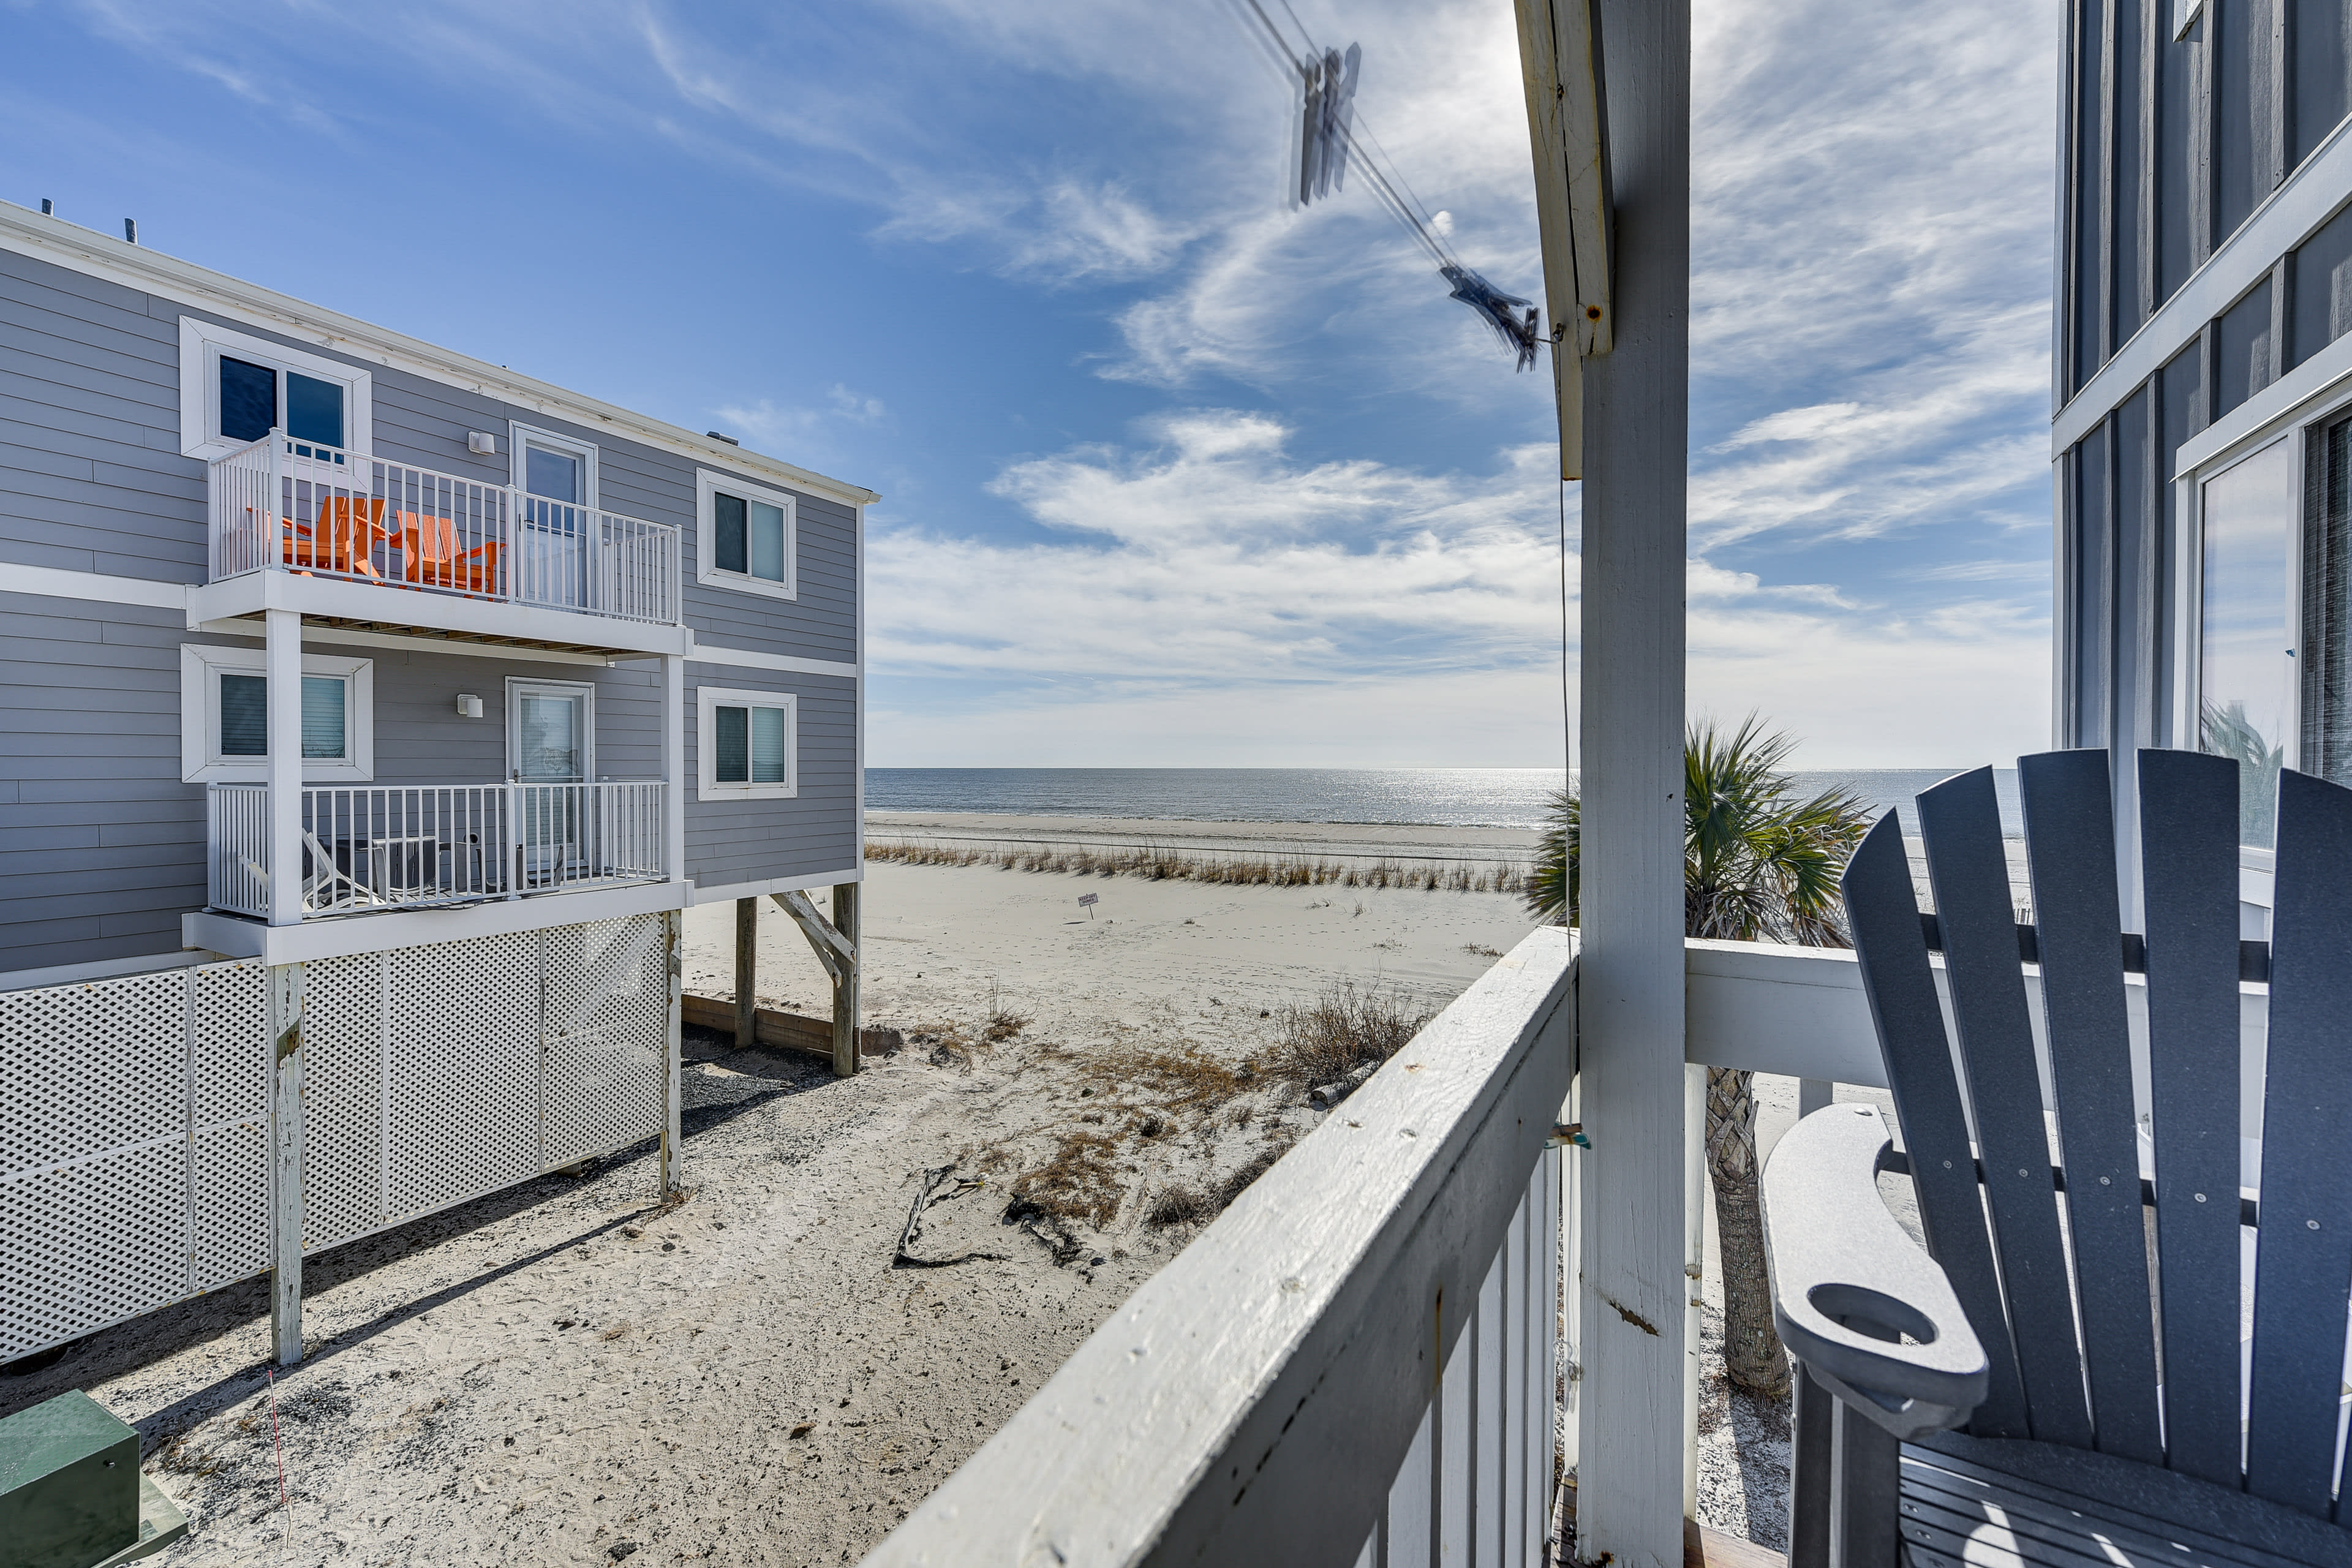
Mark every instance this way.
x=72 y=1495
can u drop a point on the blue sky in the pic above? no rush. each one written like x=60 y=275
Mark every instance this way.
x=1173 y=475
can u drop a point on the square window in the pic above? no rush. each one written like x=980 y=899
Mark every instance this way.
x=225 y=716
x=747 y=537
x=234 y=388
x=749 y=743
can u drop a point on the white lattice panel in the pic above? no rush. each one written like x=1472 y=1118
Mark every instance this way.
x=228 y=1101
x=94 y=1210
x=607 y=1036
x=342 y=1099
x=463 y=1058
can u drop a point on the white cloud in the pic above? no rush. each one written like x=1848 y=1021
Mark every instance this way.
x=1206 y=598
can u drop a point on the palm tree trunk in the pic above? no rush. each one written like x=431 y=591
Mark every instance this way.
x=1751 y=1350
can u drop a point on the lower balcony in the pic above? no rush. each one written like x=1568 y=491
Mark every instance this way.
x=374 y=849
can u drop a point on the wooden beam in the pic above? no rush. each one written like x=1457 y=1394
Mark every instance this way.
x=747 y=967
x=833 y=950
x=771 y=1027
x=1630 y=1297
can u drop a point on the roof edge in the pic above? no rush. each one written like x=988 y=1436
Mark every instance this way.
x=88 y=251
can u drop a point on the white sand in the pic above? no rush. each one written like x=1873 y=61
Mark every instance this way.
x=524 y=1380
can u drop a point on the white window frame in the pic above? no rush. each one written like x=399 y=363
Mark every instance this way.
x=708 y=484
x=519 y=686
x=519 y=437
x=201 y=667
x=707 y=701
x=203 y=342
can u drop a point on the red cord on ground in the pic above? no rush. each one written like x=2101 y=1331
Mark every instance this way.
x=274 y=1440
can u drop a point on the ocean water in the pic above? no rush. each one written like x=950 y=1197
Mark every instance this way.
x=1447 y=797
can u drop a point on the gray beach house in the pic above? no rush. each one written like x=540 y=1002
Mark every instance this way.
x=2202 y=392
x=372 y=713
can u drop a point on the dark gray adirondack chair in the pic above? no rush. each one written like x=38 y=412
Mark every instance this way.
x=2079 y=1327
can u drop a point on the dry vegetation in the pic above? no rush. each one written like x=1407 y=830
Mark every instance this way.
x=1249 y=871
x=1346 y=1027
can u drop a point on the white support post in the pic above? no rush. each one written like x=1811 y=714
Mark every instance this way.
x=282 y=665
x=1631 y=1295
x=673 y=1129
x=1695 y=1206
x=284 y=1004
x=673 y=679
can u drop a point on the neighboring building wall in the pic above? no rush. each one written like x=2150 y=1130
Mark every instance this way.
x=101 y=841
x=2204 y=257
x=814 y=834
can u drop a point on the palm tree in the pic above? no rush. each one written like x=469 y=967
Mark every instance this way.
x=1759 y=864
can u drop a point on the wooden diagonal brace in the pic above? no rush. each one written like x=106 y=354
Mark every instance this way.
x=832 y=949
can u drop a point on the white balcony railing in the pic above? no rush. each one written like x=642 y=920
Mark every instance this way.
x=292 y=506
x=368 y=848
x=1358 y=1361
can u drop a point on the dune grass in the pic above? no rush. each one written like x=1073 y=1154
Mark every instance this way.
x=1248 y=870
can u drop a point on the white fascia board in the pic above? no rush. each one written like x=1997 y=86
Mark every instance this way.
x=103 y=969
x=713 y=655
x=95 y=255
x=734 y=890
x=55 y=583
x=251 y=593
x=345 y=934
x=2309 y=199
x=2263 y=416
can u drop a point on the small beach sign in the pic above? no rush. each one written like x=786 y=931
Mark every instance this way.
x=1087 y=901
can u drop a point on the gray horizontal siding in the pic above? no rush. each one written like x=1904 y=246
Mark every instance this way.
x=812 y=834
x=102 y=844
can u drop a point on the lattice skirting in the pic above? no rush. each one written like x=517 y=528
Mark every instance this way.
x=135 y=1167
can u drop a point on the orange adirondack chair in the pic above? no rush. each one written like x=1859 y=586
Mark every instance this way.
x=342 y=538
x=431 y=557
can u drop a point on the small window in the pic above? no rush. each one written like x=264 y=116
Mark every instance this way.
x=748 y=536
x=749 y=743
x=235 y=388
x=225 y=716
x=245 y=716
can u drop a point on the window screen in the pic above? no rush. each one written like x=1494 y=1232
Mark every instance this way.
x=248 y=400
x=245 y=716
x=733 y=742
x=767 y=539
x=752 y=745
x=727 y=517
x=768 y=755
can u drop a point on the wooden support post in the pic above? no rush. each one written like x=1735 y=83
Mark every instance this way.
x=673 y=1131
x=747 y=967
x=1630 y=1281
x=844 y=989
x=285 y=1009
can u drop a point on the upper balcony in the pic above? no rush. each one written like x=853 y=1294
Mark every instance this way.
x=366 y=542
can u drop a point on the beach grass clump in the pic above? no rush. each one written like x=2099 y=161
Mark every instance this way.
x=1346 y=1027
x=1080 y=1181
x=1183 y=1079
x=1160 y=865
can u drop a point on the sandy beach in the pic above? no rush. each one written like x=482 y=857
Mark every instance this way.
x=769 y=1371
